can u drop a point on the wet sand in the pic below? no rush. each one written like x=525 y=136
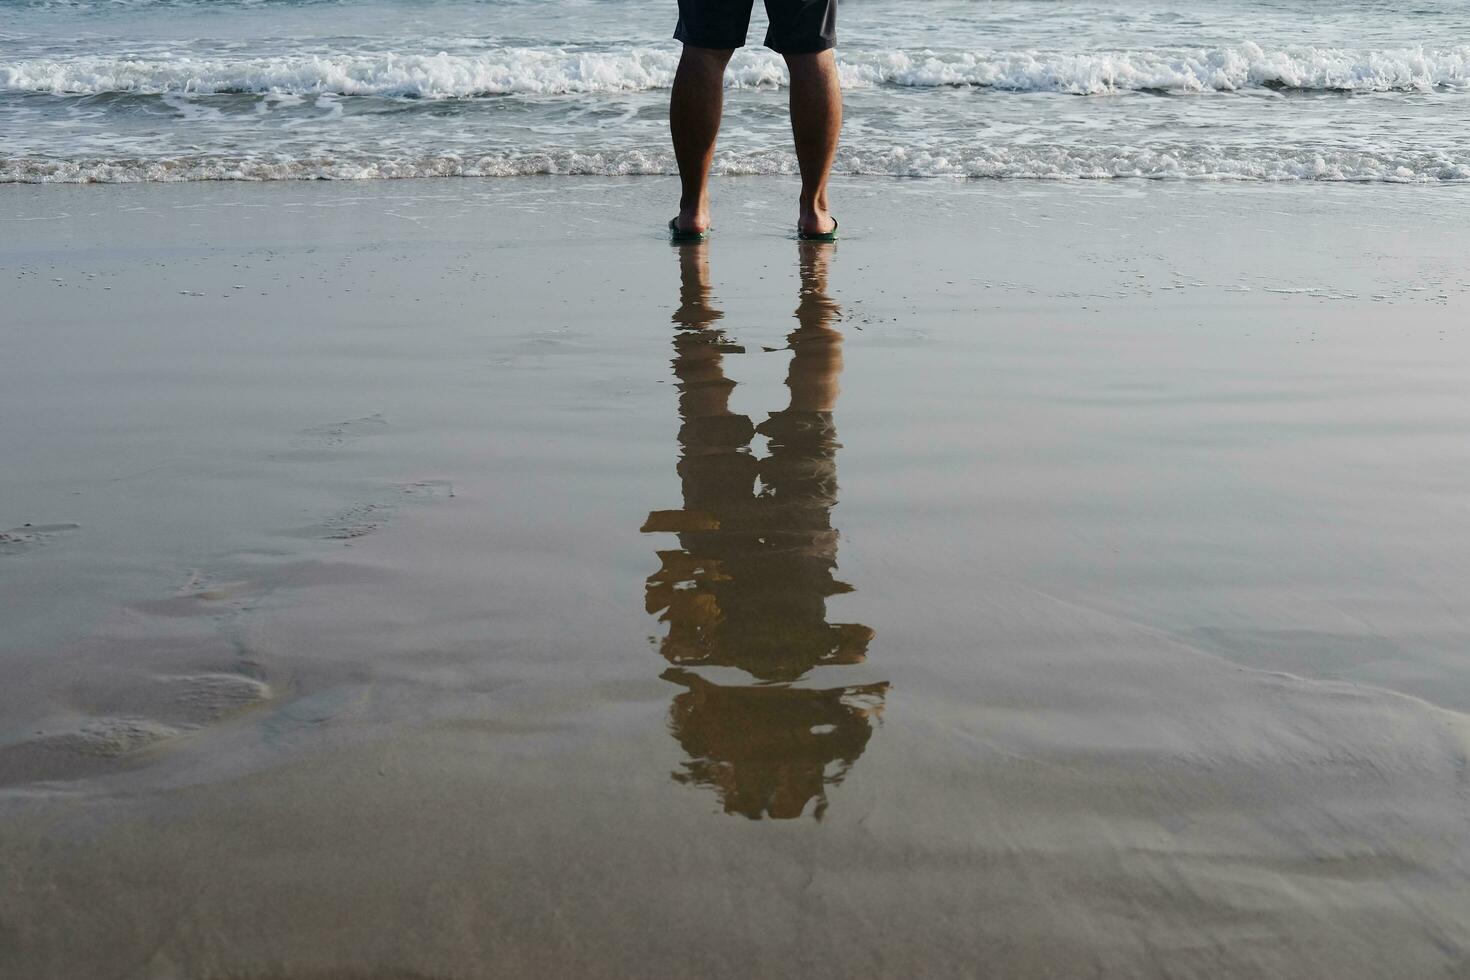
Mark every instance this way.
x=453 y=579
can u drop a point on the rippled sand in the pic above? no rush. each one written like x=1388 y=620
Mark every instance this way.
x=453 y=579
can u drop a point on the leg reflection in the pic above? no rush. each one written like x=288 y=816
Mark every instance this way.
x=747 y=587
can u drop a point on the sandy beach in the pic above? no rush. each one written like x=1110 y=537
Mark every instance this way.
x=452 y=578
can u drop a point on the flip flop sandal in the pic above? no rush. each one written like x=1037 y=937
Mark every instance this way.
x=818 y=236
x=677 y=235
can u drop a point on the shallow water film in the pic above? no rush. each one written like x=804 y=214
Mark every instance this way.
x=455 y=579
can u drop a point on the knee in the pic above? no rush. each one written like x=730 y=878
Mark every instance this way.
x=713 y=59
x=813 y=63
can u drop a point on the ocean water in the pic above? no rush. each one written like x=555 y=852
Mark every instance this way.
x=1274 y=90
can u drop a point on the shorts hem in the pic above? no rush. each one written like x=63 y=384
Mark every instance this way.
x=714 y=44
x=816 y=47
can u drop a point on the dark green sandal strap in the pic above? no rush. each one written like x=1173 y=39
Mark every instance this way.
x=818 y=236
x=676 y=234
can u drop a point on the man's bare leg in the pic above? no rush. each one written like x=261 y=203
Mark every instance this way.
x=694 y=119
x=816 y=119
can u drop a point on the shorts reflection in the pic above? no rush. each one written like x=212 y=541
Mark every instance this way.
x=747 y=587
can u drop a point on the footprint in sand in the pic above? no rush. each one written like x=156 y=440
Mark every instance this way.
x=365 y=517
x=28 y=537
x=149 y=713
x=100 y=738
x=323 y=441
x=197 y=699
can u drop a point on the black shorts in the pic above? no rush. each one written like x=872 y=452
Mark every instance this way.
x=797 y=26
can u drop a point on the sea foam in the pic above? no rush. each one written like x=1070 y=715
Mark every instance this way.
x=1015 y=162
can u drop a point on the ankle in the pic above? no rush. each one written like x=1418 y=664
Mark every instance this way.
x=815 y=203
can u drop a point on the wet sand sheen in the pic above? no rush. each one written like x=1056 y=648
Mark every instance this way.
x=489 y=593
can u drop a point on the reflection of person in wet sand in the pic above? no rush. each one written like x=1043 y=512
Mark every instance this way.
x=748 y=585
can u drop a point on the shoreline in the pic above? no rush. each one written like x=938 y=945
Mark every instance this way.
x=1310 y=171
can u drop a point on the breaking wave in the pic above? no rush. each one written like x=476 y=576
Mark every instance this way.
x=556 y=71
